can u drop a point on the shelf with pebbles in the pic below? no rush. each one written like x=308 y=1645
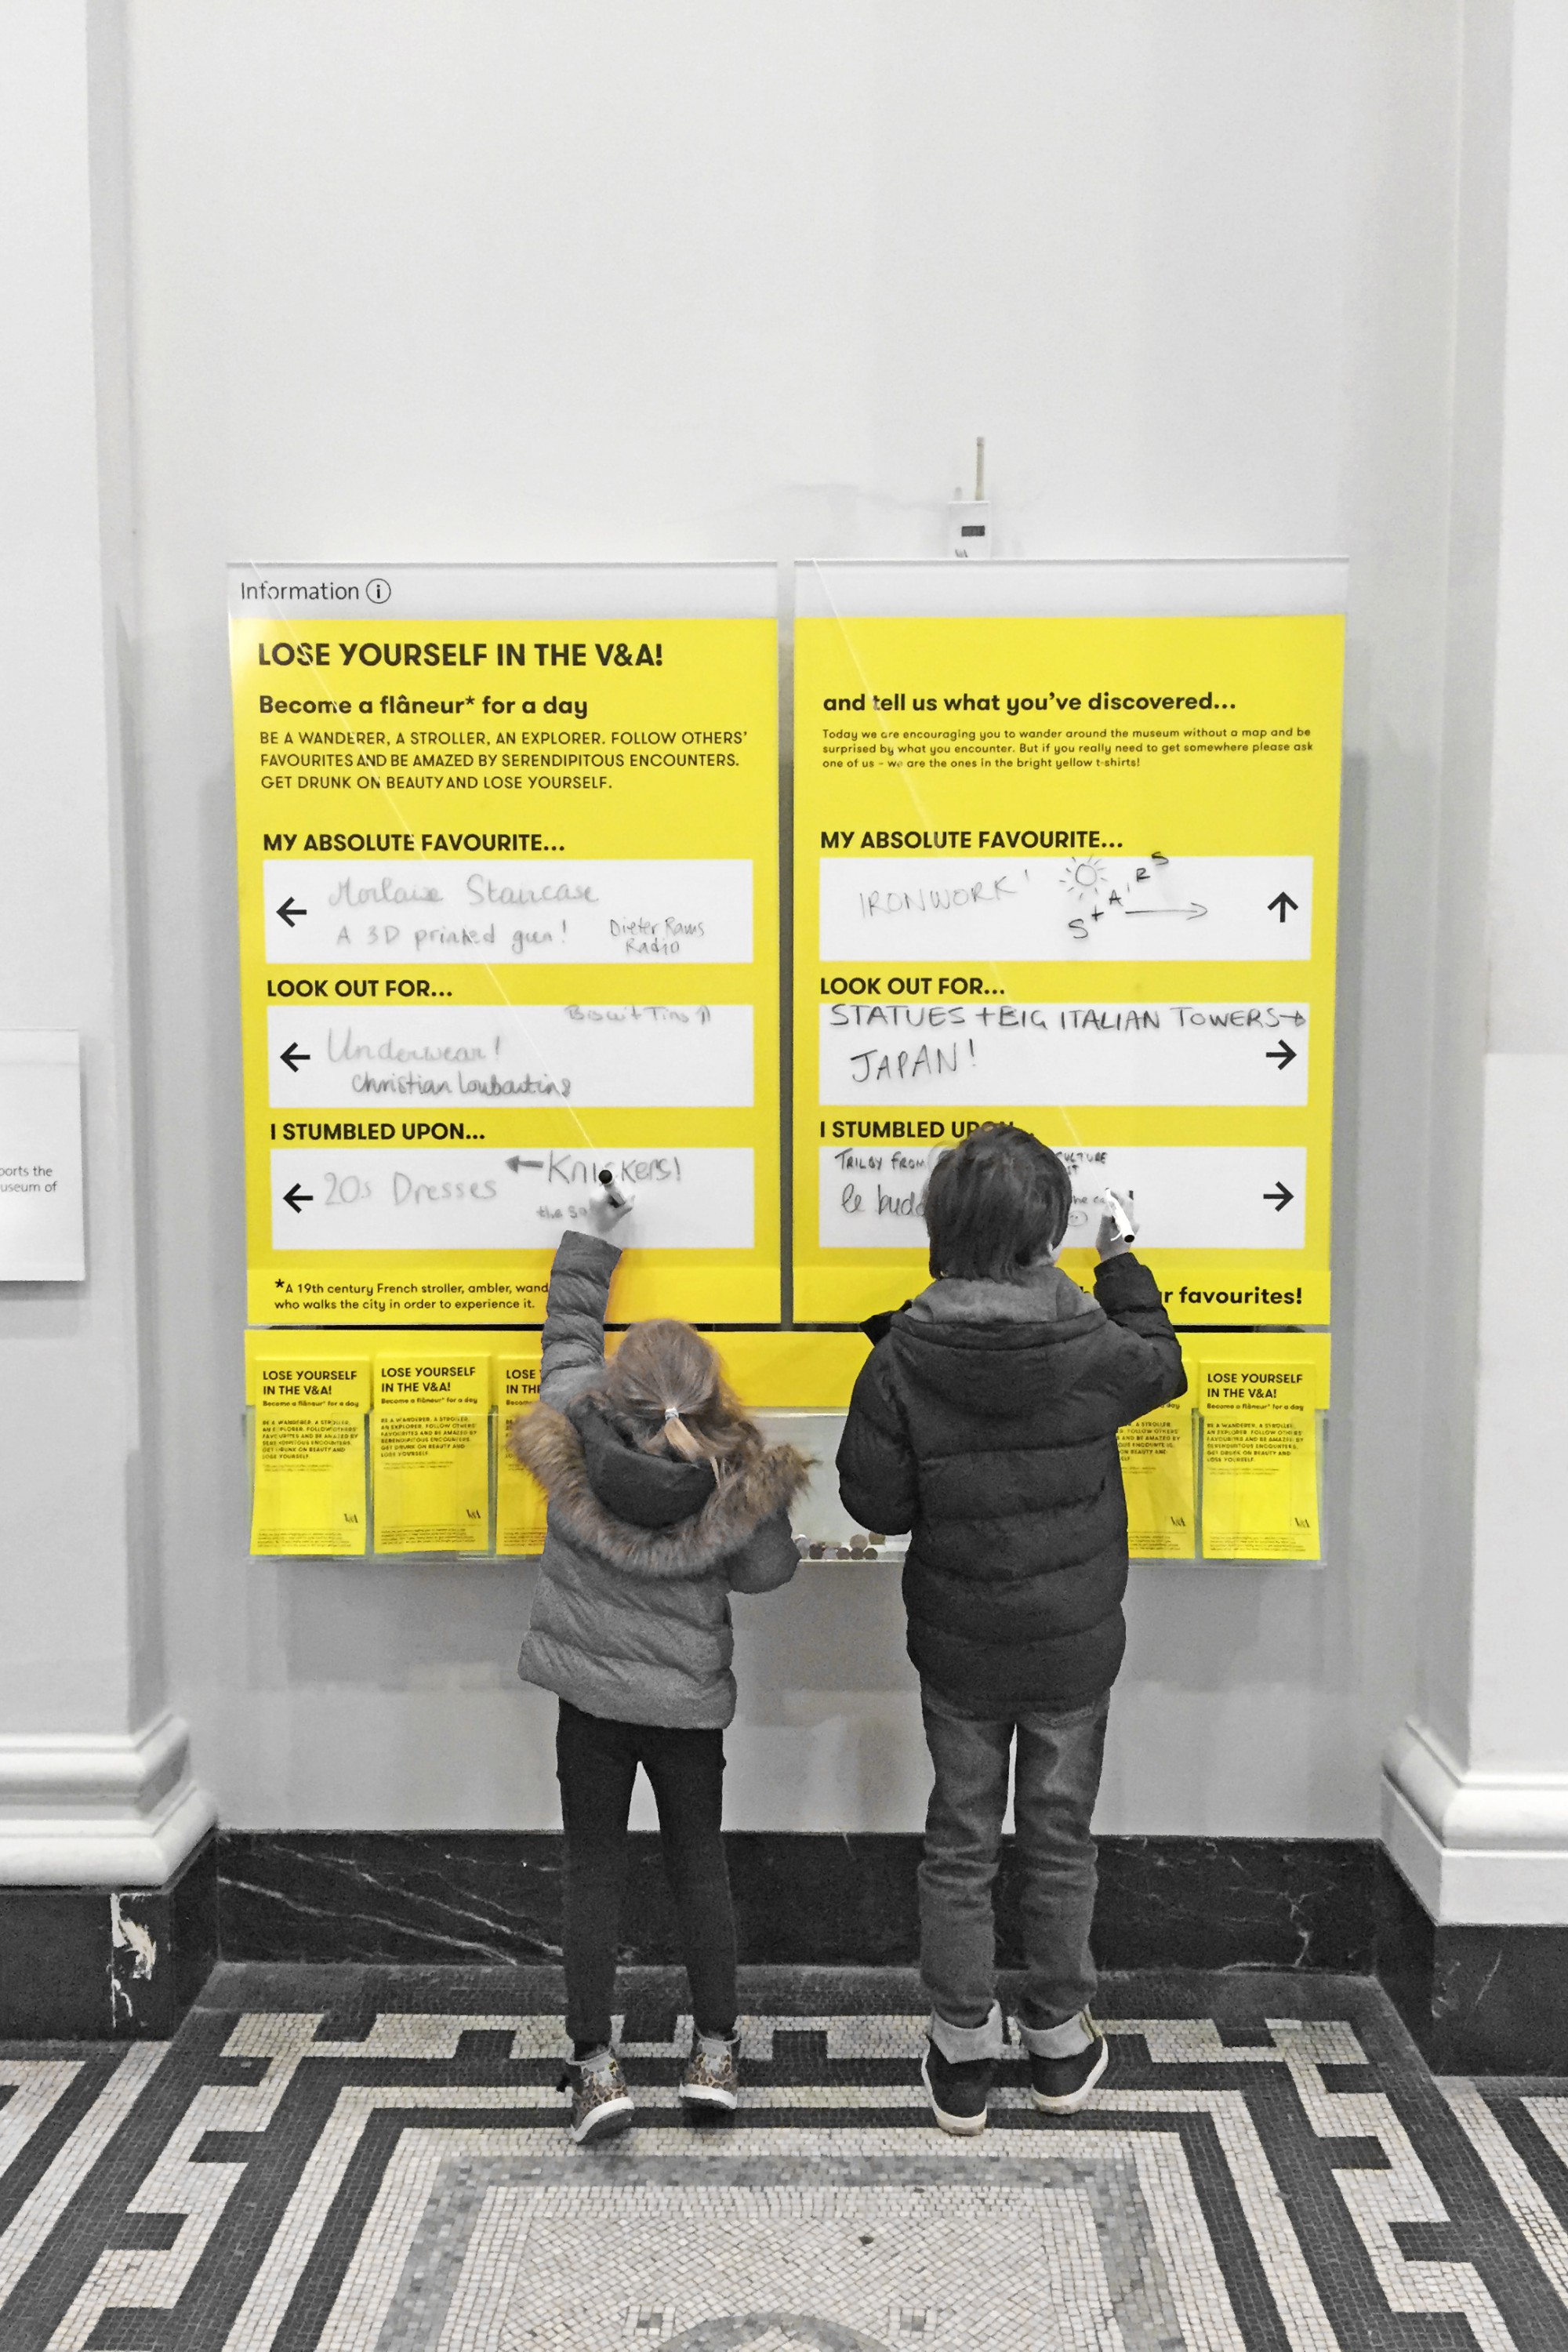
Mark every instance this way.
x=856 y=1547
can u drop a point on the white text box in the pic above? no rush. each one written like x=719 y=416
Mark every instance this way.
x=1066 y=909
x=991 y=1055
x=42 y=1223
x=423 y=910
x=524 y=1056
x=1183 y=1196
x=422 y=1198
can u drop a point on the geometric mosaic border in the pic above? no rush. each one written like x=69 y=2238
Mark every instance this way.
x=1270 y=2168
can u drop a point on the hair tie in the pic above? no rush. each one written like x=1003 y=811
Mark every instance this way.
x=672 y=1413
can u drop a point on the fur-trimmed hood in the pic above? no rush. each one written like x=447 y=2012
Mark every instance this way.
x=750 y=1487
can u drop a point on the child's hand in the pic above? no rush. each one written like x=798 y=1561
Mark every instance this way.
x=605 y=1214
x=1107 y=1241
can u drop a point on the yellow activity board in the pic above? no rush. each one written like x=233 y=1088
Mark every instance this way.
x=1080 y=874
x=507 y=895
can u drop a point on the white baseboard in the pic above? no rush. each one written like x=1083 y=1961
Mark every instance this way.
x=1481 y=1849
x=100 y=1810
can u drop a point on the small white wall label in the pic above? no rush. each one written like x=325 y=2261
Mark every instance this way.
x=41 y=1230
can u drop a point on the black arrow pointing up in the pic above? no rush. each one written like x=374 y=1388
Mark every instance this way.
x=293 y=1056
x=288 y=910
x=1282 y=1054
x=1284 y=903
x=296 y=1199
x=1281 y=1197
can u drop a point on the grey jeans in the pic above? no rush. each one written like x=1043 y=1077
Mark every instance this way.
x=1059 y=1751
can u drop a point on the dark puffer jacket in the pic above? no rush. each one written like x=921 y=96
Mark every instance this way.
x=986 y=1424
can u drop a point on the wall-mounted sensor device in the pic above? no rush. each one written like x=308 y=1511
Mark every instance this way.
x=969 y=519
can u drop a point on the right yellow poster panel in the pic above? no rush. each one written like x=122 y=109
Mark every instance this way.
x=1079 y=873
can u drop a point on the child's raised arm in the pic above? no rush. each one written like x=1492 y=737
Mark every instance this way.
x=573 y=1355
x=1149 y=1361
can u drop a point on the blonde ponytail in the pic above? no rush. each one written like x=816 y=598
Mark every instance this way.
x=668 y=1383
x=685 y=1443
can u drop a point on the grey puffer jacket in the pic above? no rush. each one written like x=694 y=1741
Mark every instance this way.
x=631 y=1618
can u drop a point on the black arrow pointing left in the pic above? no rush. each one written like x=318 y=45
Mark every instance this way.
x=296 y=1199
x=288 y=911
x=292 y=1056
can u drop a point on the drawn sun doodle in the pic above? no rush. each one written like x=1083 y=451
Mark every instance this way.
x=1083 y=880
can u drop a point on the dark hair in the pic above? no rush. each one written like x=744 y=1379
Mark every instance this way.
x=995 y=1203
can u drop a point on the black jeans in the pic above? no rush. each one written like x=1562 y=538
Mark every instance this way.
x=597 y=1763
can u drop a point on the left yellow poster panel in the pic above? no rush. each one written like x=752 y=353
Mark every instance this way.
x=507 y=843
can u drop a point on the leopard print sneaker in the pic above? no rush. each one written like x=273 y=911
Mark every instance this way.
x=712 y=2075
x=602 y=2105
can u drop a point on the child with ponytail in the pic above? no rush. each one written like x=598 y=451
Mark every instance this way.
x=663 y=1500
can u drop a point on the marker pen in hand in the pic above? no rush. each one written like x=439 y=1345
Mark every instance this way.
x=1119 y=1209
x=612 y=1191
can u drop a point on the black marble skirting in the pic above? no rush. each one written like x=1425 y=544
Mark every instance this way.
x=1477 y=2000
x=833 y=1900
x=88 y=1963
x=85 y=1963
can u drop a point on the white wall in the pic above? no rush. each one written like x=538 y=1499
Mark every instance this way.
x=466 y=278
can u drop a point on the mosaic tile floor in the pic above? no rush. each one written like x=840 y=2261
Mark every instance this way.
x=337 y=2159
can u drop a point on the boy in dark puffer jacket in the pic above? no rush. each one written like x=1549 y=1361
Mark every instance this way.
x=985 y=1422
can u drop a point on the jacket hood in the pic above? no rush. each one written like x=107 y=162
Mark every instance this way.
x=1001 y=1348
x=1046 y=1295
x=680 y=1523
x=651 y=1490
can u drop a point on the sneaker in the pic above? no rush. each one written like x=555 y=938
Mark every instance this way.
x=601 y=2104
x=958 y=2090
x=1061 y=2085
x=712 y=2075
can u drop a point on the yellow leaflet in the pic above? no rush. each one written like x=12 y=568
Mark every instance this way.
x=308 y=1490
x=1157 y=1473
x=1080 y=874
x=1259 y=1460
x=430 y=1450
x=520 y=1498
x=308 y=1493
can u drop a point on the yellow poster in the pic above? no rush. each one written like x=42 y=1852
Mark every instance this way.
x=520 y=1498
x=1080 y=874
x=1157 y=1472
x=508 y=893
x=308 y=1486
x=430 y=1449
x=1259 y=1461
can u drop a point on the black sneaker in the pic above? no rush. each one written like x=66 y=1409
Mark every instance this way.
x=1061 y=2085
x=958 y=2091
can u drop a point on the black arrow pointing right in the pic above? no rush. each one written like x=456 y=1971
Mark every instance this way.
x=1283 y=1054
x=296 y=1199
x=1281 y=1197
x=1284 y=904
x=292 y=1056
x=288 y=910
